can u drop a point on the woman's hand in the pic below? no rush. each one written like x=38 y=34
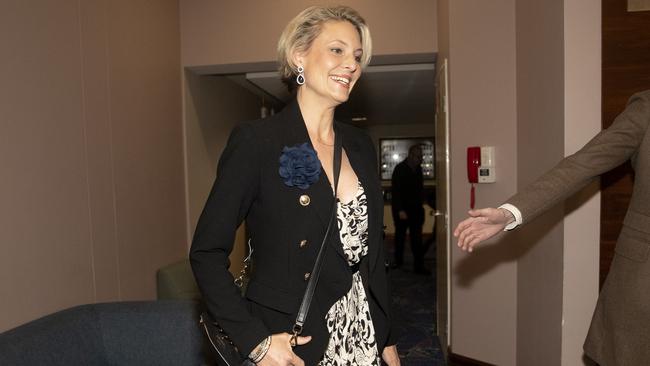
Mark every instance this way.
x=481 y=225
x=390 y=356
x=280 y=352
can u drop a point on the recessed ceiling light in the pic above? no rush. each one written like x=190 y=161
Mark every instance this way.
x=358 y=119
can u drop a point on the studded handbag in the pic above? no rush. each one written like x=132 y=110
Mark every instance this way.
x=224 y=349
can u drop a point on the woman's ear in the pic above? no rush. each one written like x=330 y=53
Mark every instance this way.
x=297 y=58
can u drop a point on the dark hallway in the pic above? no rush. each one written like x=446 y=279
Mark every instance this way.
x=414 y=306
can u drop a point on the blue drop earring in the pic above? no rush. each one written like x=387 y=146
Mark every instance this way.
x=300 y=79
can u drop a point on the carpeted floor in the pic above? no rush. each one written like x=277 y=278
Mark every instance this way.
x=414 y=300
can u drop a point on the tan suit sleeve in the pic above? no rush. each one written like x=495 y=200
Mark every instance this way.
x=607 y=150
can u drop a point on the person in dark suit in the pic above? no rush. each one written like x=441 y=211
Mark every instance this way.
x=277 y=174
x=407 y=209
x=620 y=327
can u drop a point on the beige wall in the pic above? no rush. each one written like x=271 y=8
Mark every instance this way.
x=91 y=151
x=558 y=112
x=540 y=127
x=224 y=32
x=582 y=115
x=213 y=107
x=482 y=112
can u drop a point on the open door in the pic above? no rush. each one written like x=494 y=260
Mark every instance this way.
x=443 y=231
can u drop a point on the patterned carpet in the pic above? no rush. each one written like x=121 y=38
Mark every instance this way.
x=414 y=300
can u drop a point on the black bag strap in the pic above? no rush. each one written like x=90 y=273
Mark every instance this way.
x=315 y=273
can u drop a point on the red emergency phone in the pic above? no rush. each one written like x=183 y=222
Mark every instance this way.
x=473 y=165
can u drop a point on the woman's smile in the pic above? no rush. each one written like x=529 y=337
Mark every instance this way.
x=342 y=80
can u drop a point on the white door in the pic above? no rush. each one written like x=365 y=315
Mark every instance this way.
x=443 y=231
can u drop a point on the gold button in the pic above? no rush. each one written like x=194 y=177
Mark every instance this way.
x=303 y=243
x=304 y=200
x=307 y=276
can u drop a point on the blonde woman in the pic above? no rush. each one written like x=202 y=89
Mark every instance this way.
x=278 y=175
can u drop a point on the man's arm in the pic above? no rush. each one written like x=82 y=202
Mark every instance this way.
x=607 y=150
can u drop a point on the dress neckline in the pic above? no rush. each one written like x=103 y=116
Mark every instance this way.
x=356 y=196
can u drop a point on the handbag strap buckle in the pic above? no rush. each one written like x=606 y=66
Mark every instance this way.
x=297 y=329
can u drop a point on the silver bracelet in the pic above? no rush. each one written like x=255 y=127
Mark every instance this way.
x=260 y=351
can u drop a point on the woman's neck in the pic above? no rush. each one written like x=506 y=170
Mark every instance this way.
x=318 y=117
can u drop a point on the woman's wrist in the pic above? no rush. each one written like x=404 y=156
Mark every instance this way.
x=258 y=353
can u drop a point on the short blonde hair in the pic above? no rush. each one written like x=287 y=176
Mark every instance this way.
x=301 y=31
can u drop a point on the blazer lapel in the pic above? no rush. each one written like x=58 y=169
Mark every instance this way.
x=365 y=176
x=320 y=194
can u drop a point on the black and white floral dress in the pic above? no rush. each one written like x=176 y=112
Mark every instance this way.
x=352 y=335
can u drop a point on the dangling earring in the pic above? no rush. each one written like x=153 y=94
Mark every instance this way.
x=300 y=79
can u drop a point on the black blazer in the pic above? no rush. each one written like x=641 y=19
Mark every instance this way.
x=248 y=186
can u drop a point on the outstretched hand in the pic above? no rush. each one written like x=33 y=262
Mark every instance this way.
x=481 y=225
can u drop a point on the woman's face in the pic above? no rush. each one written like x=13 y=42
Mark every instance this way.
x=332 y=62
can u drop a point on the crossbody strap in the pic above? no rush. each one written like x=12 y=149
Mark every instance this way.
x=315 y=273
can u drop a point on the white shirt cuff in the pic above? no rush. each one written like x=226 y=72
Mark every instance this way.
x=516 y=213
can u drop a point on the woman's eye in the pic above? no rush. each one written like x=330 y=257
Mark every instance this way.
x=358 y=58
x=338 y=51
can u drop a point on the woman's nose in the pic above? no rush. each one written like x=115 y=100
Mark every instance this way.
x=351 y=63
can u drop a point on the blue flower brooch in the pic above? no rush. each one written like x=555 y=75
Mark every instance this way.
x=299 y=166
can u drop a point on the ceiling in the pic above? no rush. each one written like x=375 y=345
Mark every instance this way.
x=385 y=94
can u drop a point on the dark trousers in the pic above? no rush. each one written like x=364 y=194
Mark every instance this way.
x=414 y=227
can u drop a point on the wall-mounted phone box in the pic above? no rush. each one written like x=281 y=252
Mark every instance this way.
x=481 y=164
x=487 y=170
